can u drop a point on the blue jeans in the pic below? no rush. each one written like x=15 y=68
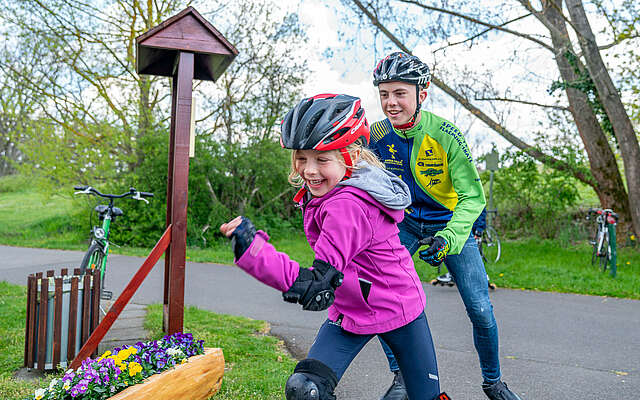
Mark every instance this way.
x=467 y=270
x=412 y=343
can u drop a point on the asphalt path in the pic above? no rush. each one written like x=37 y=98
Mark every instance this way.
x=552 y=346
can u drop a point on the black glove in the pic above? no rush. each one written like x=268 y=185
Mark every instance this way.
x=314 y=289
x=242 y=237
x=437 y=250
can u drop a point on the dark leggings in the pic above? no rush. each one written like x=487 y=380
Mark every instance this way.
x=411 y=344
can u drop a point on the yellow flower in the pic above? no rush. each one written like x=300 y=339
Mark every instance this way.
x=67 y=385
x=134 y=368
x=632 y=237
x=501 y=274
x=106 y=354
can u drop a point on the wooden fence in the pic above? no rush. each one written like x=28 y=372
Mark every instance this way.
x=62 y=311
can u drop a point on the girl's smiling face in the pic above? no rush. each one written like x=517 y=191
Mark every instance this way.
x=320 y=170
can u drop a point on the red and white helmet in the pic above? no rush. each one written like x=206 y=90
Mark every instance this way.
x=324 y=122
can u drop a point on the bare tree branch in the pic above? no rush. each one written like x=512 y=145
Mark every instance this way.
x=531 y=103
x=501 y=130
x=477 y=21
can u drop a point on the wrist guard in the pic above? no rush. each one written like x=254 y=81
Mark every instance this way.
x=437 y=250
x=242 y=237
x=315 y=289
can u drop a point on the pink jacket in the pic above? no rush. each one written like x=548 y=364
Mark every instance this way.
x=356 y=234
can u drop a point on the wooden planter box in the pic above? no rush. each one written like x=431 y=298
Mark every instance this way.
x=197 y=379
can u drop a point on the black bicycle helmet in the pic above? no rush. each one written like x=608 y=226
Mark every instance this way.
x=403 y=67
x=324 y=122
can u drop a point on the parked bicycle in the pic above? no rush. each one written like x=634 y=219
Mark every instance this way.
x=602 y=245
x=489 y=241
x=96 y=255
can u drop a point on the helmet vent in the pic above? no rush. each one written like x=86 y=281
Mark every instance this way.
x=336 y=135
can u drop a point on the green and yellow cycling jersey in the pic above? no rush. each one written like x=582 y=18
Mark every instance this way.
x=433 y=159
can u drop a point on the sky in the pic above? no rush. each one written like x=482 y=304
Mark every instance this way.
x=352 y=75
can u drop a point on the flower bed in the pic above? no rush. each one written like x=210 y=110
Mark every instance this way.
x=116 y=370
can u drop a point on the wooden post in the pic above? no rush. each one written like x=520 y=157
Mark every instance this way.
x=32 y=293
x=184 y=47
x=57 y=322
x=42 y=322
x=182 y=96
x=73 y=316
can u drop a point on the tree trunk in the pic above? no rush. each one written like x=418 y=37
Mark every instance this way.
x=609 y=185
x=613 y=106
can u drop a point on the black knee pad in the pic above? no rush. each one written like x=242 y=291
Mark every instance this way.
x=311 y=380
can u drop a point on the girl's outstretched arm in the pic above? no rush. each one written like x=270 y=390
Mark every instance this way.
x=257 y=257
x=313 y=289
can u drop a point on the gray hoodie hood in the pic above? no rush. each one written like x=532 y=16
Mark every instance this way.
x=381 y=184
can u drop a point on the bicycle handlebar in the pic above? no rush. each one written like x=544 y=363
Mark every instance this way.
x=607 y=212
x=136 y=195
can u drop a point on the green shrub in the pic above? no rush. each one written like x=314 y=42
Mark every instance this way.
x=224 y=181
x=13 y=183
x=534 y=200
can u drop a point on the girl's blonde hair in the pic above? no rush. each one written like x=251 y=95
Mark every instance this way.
x=365 y=155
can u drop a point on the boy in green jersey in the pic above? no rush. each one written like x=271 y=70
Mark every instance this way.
x=431 y=156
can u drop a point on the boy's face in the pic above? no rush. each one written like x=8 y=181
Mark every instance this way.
x=398 y=100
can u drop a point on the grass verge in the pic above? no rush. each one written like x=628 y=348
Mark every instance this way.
x=550 y=267
x=256 y=364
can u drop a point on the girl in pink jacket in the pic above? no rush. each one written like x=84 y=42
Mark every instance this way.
x=361 y=273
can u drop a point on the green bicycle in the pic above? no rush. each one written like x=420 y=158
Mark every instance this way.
x=96 y=255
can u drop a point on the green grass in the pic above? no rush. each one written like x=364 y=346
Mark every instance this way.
x=13 y=300
x=256 y=364
x=34 y=220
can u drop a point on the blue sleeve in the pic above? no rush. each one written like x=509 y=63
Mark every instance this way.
x=481 y=222
x=377 y=131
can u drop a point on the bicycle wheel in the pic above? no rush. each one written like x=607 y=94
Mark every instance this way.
x=594 y=252
x=92 y=258
x=491 y=248
x=605 y=253
x=480 y=249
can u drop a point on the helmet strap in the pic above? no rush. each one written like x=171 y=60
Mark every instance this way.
x=347 y=160
x=298 y=197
